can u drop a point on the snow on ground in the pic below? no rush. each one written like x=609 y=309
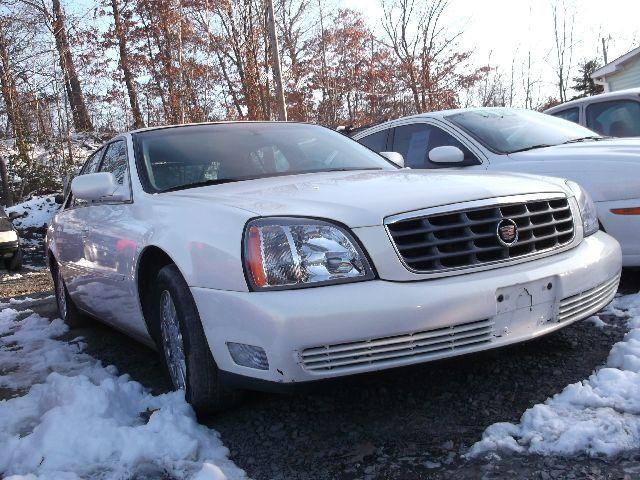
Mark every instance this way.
x=39 y=212
x=73 y=418
x=598 y=416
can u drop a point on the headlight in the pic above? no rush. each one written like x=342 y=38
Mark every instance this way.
x=587 y=209
x=8 y=236
x=284 y=253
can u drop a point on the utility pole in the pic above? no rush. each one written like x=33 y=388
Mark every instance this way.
x=604 y=51
x=275 y=62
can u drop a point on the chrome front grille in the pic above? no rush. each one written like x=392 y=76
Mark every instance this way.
x=418 y=345
x=588 y=302
x=468 y=238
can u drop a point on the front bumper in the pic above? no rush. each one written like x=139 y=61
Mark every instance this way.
x=333 y=331
x=7 y=249
x=624 y=228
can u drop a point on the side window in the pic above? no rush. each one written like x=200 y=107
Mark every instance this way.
x=617 y=118
x=571 y=114
x=91 y=165
x=115 y=161
x=376 y=141
x=416 y=140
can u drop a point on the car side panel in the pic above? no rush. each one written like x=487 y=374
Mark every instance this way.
x=202 y=238
x=69 y=231
x=111 y=245
x=625 y=228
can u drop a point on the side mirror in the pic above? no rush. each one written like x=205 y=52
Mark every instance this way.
x=446 y=154
x=14 y=216
x=59 y=199
x=394 y=157
x=93 y=186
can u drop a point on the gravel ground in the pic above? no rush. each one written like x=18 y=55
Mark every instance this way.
x=410 y=423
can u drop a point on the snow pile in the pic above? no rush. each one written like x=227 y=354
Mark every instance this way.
x=79 y=419
x=598 y=416
x=38 y=211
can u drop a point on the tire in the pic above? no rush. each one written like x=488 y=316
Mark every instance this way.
x=184 y=348
x=67 y=310
x=14 y=263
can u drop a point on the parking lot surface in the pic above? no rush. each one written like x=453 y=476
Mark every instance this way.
x=406 y=423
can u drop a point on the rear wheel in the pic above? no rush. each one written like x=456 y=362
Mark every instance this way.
x=185 y=350
x=67 y=310
x=14 y=263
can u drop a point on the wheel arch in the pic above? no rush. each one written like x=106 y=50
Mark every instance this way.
x=150 y=261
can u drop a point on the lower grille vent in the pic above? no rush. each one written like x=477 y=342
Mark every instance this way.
x=420 y=345
x=578 y=306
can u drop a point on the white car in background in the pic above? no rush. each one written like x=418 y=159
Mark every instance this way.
x=615 y=114
x=262 y=254
x=515 y=140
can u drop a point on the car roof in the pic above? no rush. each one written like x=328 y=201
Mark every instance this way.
x=225 y=122
x=437 y=114
x=595 y=98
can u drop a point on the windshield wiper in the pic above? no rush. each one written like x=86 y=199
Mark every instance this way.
x=582 y=139
x=352 y=169
x=216 y=181
x=532 y=147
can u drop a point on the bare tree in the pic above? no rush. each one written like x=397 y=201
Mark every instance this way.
x=125 y=64
x=14 y=113
x=563 y=26
x=81 y=120
x=431 y=63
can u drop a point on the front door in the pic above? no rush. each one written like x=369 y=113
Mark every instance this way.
x=110 y=245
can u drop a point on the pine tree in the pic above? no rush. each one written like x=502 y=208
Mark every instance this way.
x=584 y=84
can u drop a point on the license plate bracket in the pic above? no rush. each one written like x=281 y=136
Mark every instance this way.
x=525 y=307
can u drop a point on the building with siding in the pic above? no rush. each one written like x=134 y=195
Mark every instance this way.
x=620 y=74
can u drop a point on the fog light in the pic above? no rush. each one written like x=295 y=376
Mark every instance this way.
x=248 y=355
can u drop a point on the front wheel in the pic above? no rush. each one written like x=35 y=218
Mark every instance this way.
x=14 y=263
x=185 y=350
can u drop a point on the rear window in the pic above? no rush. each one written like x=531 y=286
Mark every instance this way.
x=616 y=118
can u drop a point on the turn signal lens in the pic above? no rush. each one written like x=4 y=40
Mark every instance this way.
x=254 y=257
x=626 y=211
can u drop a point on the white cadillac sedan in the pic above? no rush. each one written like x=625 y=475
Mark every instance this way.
x=516 y=140
x=262 y=254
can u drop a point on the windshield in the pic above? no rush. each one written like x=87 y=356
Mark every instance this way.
x=506 y=130
x=195 y=155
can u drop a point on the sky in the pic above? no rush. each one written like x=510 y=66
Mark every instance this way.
x=499 y=31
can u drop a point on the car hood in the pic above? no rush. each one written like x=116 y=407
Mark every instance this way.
x=621 y=149
x=365 y=198
x=608 y=169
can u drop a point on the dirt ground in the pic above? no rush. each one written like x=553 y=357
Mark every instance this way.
x=409 y=423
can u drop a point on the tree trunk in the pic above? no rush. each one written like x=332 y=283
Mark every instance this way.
x=125 y=66
x=7 y=198
x=14 y=117
x=81 y=119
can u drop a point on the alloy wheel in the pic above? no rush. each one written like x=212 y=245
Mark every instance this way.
x=61 y=295
x=172 y=341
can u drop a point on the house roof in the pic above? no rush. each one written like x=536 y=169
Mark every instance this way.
x=616 y=64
